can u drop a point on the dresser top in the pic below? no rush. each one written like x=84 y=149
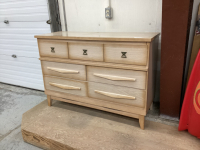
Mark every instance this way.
x=101 y=36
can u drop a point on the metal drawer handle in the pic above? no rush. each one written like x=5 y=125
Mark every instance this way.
x=6 y=21
x=123 y=55
x=65 y=87
x=114 y=78
x=114 y=95
x=52 y=49
x=14 y=56
x=63 y=70
x=84 y=52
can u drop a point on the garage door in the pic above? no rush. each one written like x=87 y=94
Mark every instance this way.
x=20 y=20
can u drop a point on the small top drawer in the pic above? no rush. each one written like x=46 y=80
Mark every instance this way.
x=86 y=51
x=52 y=48
x=135 y=53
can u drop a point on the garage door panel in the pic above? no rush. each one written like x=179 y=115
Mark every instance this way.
x=21 y=69
x=25 y=18
x=34 y=61
x=27 y=54
x=17 y=36
x=33 y=31
x=21 y=78
x=19 y=42
x=20 y=74
x=21 y=64
x=22 y=4
x=26 y=10
x=29 y=25
x=19 y=47
x=22 y=83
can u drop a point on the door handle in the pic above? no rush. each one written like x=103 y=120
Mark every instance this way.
x=14 y=56
x=6 y=21
x=48 y=21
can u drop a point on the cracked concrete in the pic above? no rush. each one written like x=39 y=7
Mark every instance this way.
x=14 y=101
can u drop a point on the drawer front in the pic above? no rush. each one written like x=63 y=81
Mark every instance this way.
x=127 y=54
x=128 y=78
x=118 y=94
x=64 y=70
x=65 y=86
x=51 y=48
x=86 y=51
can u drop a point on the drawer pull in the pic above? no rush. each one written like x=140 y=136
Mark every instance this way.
x=62 y=70
x=66 y=87
x=123 y=55
x=113 y=95
x=84 y=52
x=114 y=78
x=52 y=49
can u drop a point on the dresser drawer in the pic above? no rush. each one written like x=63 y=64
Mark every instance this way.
x=64 y=70
x=51 y=48
x=65 y=86
x=128 y=78
x=126 y=53
x=86 y=51
x=118 y=94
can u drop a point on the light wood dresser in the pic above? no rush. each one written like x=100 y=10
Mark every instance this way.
x=113 y=72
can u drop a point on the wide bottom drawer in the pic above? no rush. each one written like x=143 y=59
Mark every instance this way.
x=118 y=94
x=66 y=86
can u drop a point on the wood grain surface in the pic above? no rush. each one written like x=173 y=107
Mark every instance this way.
x=139 y=95
x=65 y=85
x=119 y=77
x=67 y=127
x=81 y=75
x=60 y=48
x=101 y=36
x=135 y=53
x=93 y=51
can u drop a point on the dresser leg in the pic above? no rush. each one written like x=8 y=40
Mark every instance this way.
x=141 y=121
x=49 y=100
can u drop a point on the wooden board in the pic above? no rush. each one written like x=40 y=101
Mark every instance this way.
x=68 y=127
x=100 y=64
x=195 y=47
x=100 y=36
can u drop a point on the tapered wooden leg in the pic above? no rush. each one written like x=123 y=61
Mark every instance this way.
x=49 y=100
x=141 y=121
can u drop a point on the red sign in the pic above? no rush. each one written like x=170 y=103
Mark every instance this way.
x=190 y=113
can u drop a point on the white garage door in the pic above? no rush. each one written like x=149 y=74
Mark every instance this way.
x=26 y=18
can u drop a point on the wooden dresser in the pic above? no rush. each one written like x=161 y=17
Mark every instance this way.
x=113 y=72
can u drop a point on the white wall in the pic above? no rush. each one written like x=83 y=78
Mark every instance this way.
x=128 y=16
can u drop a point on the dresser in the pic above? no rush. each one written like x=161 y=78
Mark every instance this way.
x=113 y=72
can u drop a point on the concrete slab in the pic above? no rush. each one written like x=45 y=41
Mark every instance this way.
x=14 y=101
